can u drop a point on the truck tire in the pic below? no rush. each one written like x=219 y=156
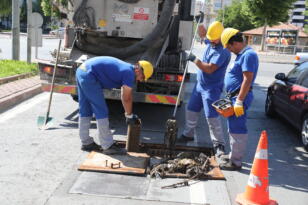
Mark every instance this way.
x=304 y=132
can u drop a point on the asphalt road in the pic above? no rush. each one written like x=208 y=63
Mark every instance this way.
x=40 y=167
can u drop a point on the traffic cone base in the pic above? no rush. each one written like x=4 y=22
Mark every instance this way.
x=257 y=189
x=240 y=198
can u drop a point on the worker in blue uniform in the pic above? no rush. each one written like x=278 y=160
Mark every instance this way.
x=238 y=84
x=208 y=88
x=93 y=76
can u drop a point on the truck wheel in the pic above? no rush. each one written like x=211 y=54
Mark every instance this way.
x=75 y=97
x=269 y=107
x=305 y=132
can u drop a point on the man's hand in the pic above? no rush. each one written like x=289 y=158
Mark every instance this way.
x=191 y=57
x=132 y=119
x=200 y=17
x=238 y=108
x=201 y=31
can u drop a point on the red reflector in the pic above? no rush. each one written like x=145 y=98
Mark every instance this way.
x=48 y=69
x=169 y=77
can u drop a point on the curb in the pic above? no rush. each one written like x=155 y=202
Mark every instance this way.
x=15 y=77
x=16 y=98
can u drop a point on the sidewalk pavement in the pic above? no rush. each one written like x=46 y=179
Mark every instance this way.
x=17 y=91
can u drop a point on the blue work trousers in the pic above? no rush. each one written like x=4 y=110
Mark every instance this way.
x=90 y=95
x=237 y=125
x=204 y=98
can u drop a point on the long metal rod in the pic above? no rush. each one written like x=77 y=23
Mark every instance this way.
x=53 y=82
x=186 y=67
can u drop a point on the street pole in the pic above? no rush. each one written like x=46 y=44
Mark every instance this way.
x=29 y=29
x=15 y=30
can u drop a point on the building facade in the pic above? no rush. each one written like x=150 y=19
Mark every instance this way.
x=298 y=13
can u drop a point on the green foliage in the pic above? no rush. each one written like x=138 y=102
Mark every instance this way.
x=12 y=67
x=5 y=7
x=51 y=7
x=271 y=12
x=306 y=28
x=234 y=16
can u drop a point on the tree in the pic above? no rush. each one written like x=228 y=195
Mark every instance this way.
x=265 y=12
x=5 y=7
x=55 y=8
x=234 y=16
x=306 y=20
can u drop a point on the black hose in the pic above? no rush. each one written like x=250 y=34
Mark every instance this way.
x=97 y=48
x=84 y=16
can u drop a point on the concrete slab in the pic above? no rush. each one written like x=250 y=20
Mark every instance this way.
x=146 y=189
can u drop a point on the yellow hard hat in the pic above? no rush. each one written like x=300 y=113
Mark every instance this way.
x=147 y=69
x=227 y=34
x=214 y=31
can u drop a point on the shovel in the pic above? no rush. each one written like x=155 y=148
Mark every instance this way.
x=44 y=121
x=171 y=124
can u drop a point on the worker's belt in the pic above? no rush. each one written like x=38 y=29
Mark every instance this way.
x=235 y=93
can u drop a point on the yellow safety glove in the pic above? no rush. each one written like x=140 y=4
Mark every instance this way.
x=238 y=108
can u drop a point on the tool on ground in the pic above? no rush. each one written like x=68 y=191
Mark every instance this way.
x=257 y=189
x=43 y=121
x=171 y=124
x=133 y=135
x=224 y=107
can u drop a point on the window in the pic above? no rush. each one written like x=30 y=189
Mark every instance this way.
x=305 y=82
x=304 y=79
x=293 y=74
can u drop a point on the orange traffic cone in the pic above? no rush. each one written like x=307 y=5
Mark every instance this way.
x=257 y=191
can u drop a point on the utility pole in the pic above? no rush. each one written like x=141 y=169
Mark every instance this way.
x=29 y=29
x=15 y=30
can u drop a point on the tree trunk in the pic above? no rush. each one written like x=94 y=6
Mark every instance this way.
x=263 y=36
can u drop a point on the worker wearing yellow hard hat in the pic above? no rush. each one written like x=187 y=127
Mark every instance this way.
x=147 y=68
x=209 y=86
x=238 y=85
x=92 y=77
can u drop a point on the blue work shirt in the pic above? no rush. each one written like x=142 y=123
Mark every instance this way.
x=111 y=72
x=216 y=55
x=246 y=60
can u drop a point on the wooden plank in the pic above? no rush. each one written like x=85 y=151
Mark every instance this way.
x=214 y=174
x=131 y=163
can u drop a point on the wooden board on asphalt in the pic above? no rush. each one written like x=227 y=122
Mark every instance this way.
x=131 y=163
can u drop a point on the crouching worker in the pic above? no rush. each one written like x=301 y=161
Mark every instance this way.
x=93 y=76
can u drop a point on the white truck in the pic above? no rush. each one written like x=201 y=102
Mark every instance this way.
x=155 y=30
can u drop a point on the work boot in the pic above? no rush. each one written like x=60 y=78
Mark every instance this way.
x=230 y=166
x=114 y=149
x=184 y=139
x=219 y=150
x=91 y=147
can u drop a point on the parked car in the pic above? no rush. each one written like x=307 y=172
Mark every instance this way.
x=58 y=32
x=287 y=97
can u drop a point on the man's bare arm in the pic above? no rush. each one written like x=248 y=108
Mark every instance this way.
x=127 y=99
